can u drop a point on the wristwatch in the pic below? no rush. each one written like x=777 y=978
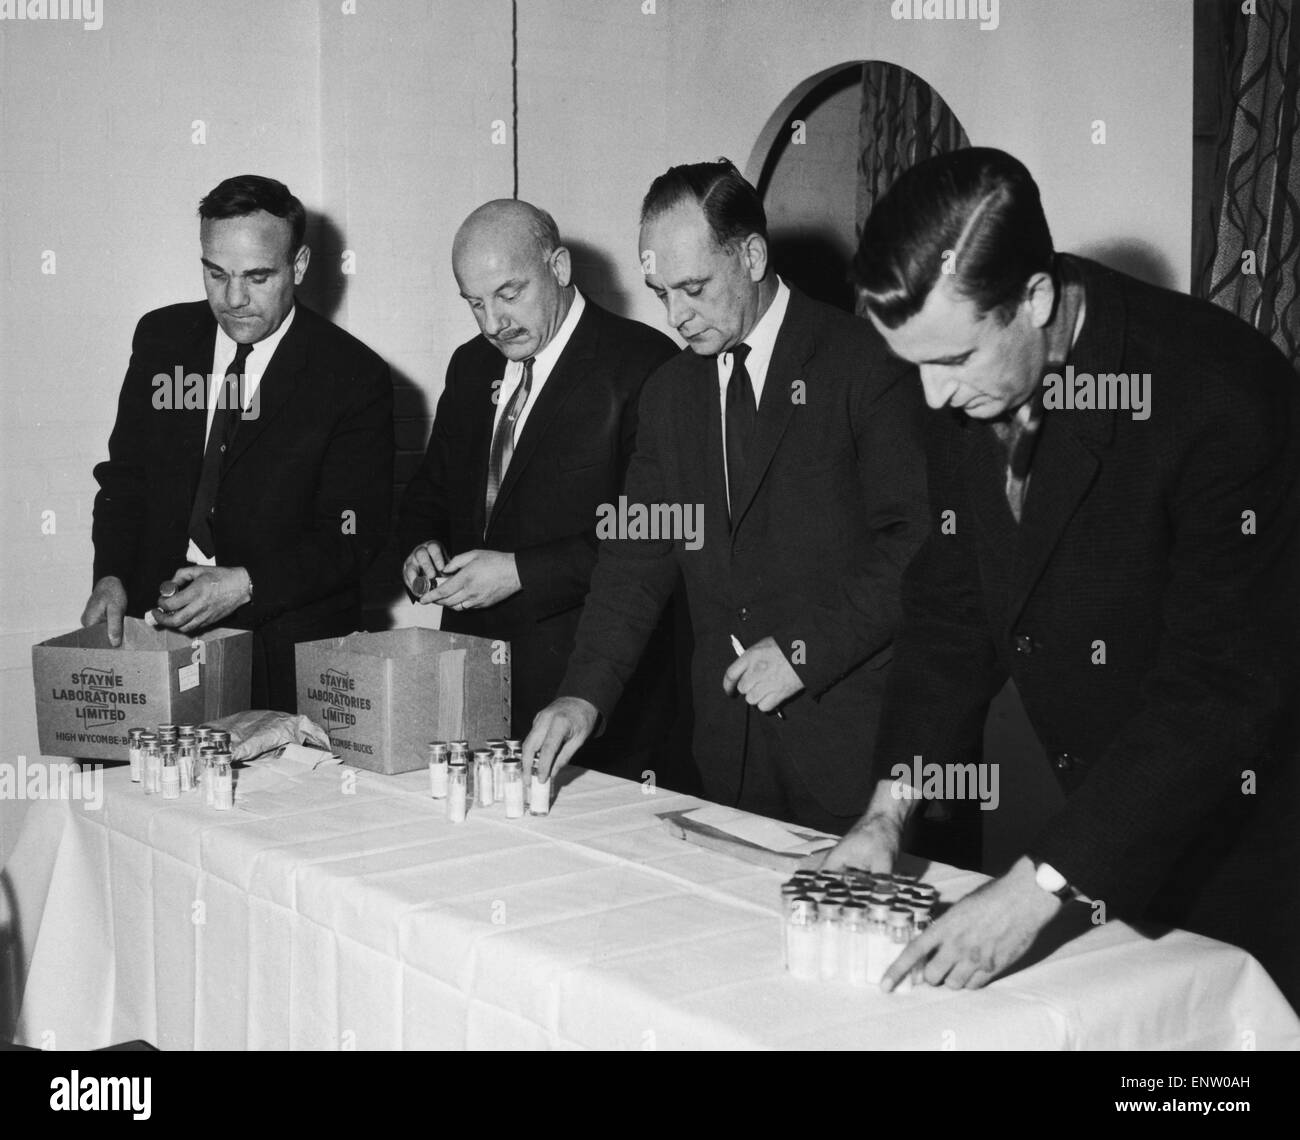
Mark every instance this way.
x=1052 y=881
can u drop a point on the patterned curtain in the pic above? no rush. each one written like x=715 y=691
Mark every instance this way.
x=902 y=121
x=1252 y=262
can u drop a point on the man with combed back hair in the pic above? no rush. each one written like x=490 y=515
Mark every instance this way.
x=250 y=471
x=499 y=523
x=1113 y=476
x=789 y=425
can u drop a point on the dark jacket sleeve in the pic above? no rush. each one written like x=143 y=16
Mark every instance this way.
x=891 y=471
x=353 y=505
x=633 y=580
x=945 y=669
x=119 y=512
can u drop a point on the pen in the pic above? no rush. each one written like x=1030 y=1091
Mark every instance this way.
x=735 y=644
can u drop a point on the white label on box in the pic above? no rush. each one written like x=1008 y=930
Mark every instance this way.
x=188 y=676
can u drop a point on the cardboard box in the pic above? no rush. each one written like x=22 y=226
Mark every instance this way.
x=383 y=696
x=88 y=693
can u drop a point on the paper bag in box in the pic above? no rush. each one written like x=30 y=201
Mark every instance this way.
x=383 y=696
x=89 y=693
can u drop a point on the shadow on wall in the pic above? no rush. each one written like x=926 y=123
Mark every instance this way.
x=324 y=289
x=815 y=261
x=595 y=273
x=1133 y=256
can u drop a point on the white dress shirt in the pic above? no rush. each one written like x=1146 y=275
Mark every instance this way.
x=761 y=341
x=255 y=365
x=543 y=366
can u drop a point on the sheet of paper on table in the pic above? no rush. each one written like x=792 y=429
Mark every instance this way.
x=749 y=837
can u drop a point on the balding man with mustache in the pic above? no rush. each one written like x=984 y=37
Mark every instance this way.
x=532 y=436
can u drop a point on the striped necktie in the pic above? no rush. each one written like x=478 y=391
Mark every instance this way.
x=503 y=440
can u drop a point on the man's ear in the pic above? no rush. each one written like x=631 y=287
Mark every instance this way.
x=1040 y=296
x=561 y=265
x=754 y=252
x=300 y=260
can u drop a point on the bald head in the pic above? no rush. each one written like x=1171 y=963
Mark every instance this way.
x=514 y=274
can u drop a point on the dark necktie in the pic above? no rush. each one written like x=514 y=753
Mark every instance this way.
x=1019 y=438
x=503 y=439
x=741 y=414
x=224 y=422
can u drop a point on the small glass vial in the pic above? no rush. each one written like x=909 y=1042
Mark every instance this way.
x=438 y=758
x=499 y=756
x=512 y=787
x=152 y=764
x=203 y=777
x=515 y=749
x=220 y=739
x=135 y=753
x=171 y=774
x=900 y=934
x=483 y=789
x=166 y=731
x=802 y=944
x=204 y=733
x=539 y=794
x=854 y=931
x=223 y=783
x=457 y=789
x=828 y=914
x=878 y=944
x=789 y=890
x=187 y=760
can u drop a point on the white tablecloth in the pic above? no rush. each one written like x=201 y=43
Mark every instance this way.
x=339 y=909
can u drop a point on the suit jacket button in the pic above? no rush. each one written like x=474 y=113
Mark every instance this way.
x=743 y=613
x=1024 y=643
x=1063 y=761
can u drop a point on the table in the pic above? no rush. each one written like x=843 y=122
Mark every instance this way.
x=335 y=908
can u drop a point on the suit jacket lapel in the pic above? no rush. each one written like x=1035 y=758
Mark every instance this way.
x=793 y=349
x=196 y=361
x=280 y=383
x=1068 y=457
x=566 y=377
x=702 y=413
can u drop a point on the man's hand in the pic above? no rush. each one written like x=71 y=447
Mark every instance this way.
x=478 y=578
x=763 y=676
x=107 y=603
x=984 y=934
x=872 y=844
x=206 y=594
x=558 y=731
x=427 y=561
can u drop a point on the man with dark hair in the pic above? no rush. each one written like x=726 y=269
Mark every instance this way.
x=1115 y=479
x=789 y=427
x=500 y=520
x=249 y=478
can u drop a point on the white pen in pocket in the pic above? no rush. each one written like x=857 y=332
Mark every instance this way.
x=740 y=649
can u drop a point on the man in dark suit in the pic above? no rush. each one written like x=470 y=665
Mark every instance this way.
x=1114 y=482
x=795 y=434
x=250 y=468
x=500 y=520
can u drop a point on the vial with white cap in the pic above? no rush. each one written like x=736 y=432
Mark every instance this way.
x=171 y=776
x=878 y=945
